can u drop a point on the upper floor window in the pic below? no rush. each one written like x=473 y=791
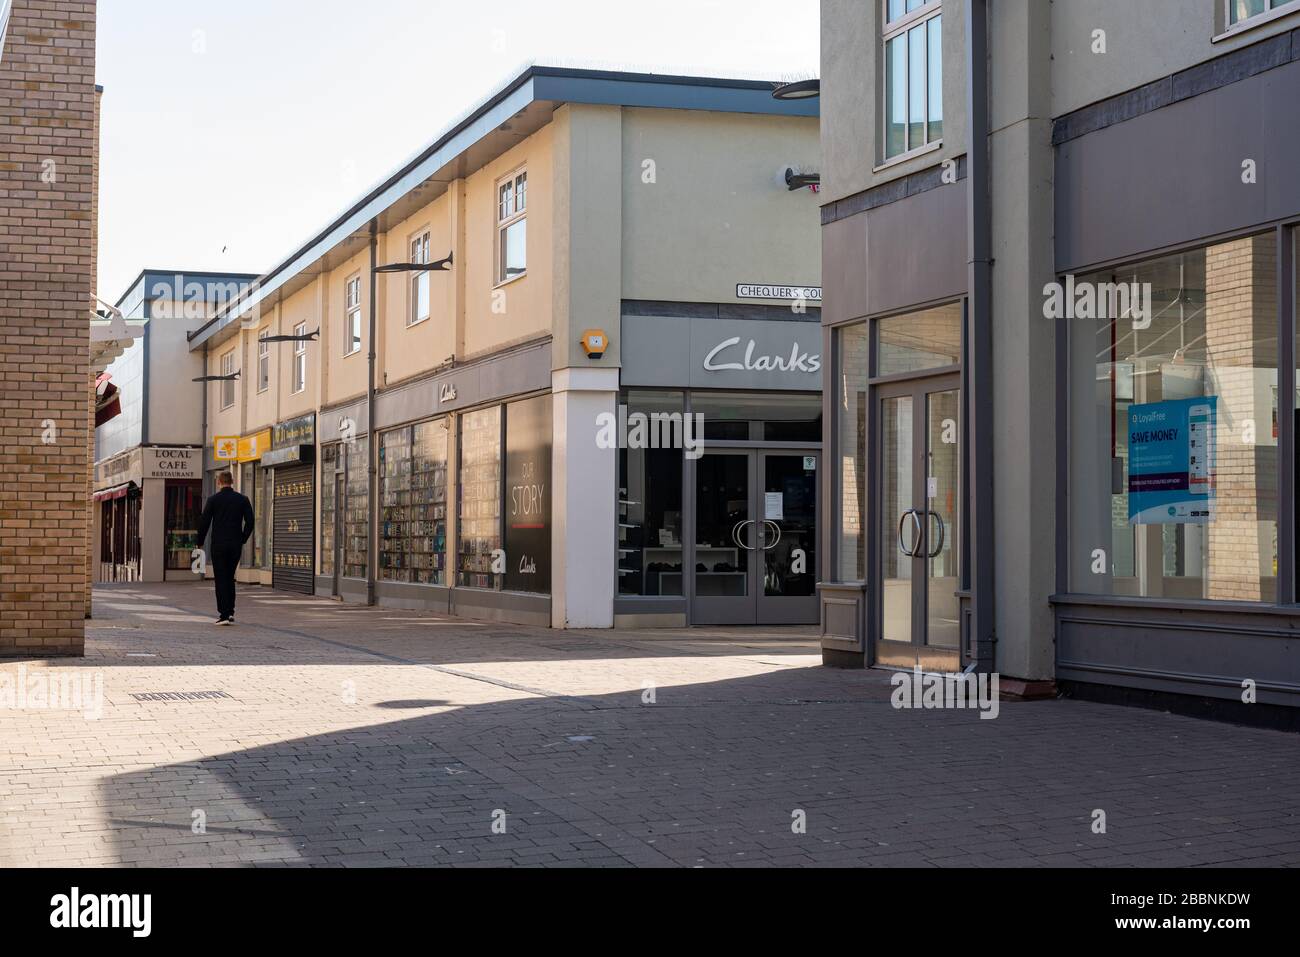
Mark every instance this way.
x=228 y=384
x=352 y=316
x=913 y=44
x=512 y=227
x=419 y=281
x=1242 y=10
x=300 y=358
x=263 y=362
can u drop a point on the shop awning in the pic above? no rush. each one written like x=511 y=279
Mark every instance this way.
x=113 y=494
x=108 y=400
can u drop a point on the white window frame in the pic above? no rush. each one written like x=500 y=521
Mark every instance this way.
x=300 y=359
x=892 y=30
x=419 y=247
x=263 y=361
x=505 y=218
x=1227 y=27
x=352 y=316
x=227 y=369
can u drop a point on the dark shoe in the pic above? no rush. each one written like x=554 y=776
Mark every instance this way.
x=220 y=621
x=225 y=622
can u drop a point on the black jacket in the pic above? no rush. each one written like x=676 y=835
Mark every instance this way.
x=230 y=516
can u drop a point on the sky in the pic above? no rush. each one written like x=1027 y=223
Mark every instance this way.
x=232 y=131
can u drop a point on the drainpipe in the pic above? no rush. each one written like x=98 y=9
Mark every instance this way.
x=372 y=450
x=979 y=368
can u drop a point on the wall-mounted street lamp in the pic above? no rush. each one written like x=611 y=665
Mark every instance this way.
x=309 y=337
x=796 y=181
x=218 y=378
x=442 y=265
x=800 y=90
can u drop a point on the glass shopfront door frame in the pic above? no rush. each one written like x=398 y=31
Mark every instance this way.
x=916 y=619
x=755 y=535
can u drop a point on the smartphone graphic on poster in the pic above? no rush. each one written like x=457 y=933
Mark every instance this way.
x=1200 y=440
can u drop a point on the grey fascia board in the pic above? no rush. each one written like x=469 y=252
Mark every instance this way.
x=685 y=94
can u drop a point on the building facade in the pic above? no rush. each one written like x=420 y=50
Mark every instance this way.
x=1059 y=248
x=148 y=485
x=442 y=396
x=48 y=166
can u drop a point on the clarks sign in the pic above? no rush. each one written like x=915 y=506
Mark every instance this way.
x=734 y=355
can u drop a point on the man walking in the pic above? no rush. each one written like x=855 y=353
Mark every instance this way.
x=230 y=516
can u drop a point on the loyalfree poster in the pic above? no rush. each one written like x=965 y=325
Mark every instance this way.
x=1171 y=462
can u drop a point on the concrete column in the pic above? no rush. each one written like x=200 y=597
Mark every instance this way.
x=584 y=487
x=1024 y=342
x=153 y=510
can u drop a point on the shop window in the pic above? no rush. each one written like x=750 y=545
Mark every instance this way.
x=1239 y=11
x=920 y=341
x=650 y=542
x=413 y=463
x=852 y=378
x=352 y=316
x=528 y=496
x=913 y=105
x=419 y=310
x=328 y=507
x=1173 y=459
x=182 y=510
x=300 y=358
x=356 y=515
x=248 y=487
x=263 y=505
x=263 y=362
x=228 y=383
x=512 y=227
x=480 y=499
x=758 y=417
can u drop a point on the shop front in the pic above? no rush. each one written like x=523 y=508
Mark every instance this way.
x=463 y=515
x=720 y=437
x=148 y=502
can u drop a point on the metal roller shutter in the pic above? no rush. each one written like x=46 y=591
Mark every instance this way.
x=295 y=535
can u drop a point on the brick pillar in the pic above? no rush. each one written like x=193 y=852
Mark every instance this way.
x=1241 y=341
x=47 y=149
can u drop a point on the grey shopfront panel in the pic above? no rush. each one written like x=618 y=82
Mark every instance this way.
x=1178 y=174
x=735 y=354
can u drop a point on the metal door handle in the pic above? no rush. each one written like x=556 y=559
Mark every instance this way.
x=915 y=550
x=943 y=533
x=735 y=535
x=767 y=547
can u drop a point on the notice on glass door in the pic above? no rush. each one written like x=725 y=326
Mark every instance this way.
x=774 y=511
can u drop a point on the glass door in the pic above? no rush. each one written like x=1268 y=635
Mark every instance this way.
x=920 y=488
x=787 y=538
x=727 y=537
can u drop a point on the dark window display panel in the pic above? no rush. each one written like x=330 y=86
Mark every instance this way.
x=413 y=463
x=650 y=539
x=356 y=516
x=183 y=509
x=480 y=499
x=528 y=496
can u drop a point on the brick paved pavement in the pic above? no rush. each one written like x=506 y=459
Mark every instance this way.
x=355 y=737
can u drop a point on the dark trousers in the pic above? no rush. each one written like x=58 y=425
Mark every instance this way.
x=225 y=562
